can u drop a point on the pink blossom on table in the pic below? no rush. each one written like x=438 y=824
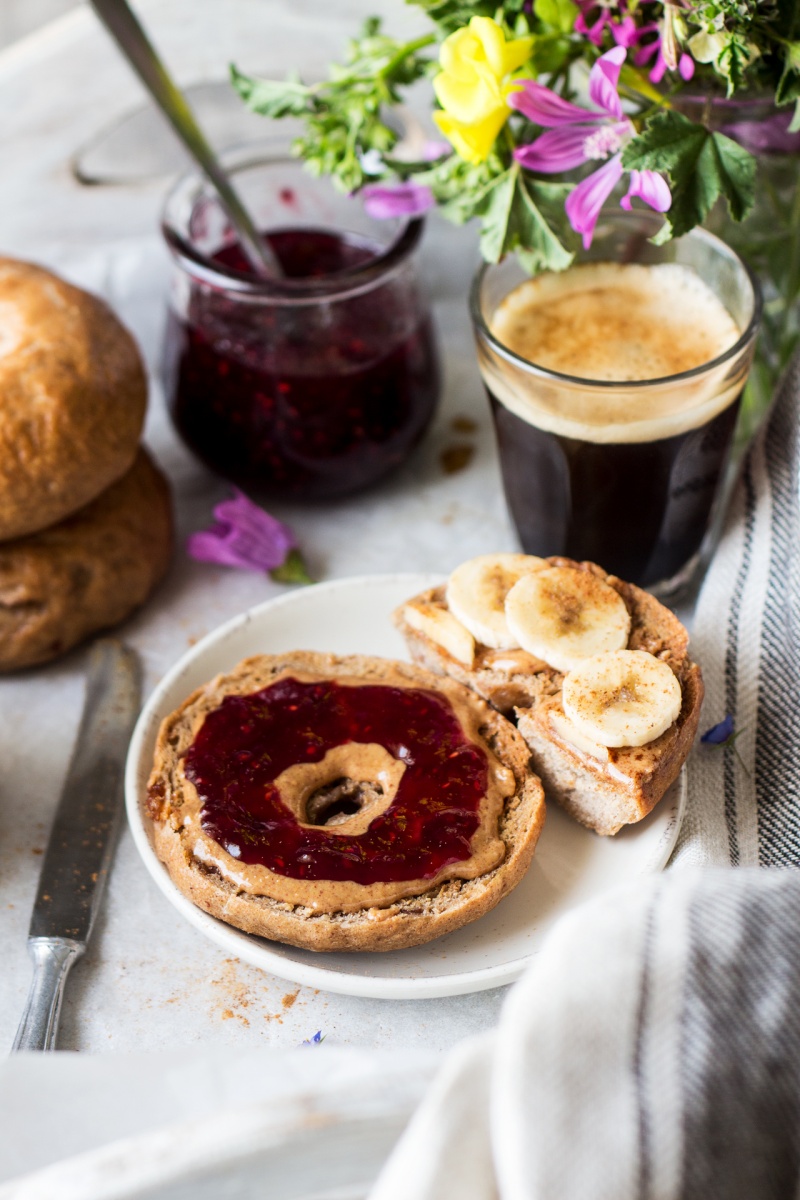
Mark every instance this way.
x=577 y=135
x=382 y=201
x=243 y=535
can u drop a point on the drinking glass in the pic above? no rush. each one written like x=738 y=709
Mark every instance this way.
x=617 y=490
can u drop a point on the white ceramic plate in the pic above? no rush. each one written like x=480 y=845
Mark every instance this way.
x=571 y=865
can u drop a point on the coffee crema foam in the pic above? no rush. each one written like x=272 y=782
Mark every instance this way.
x=614 y=323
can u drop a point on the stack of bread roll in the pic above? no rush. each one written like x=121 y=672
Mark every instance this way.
x=85 y=515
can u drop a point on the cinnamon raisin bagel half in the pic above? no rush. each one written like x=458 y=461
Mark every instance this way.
x=342 y=803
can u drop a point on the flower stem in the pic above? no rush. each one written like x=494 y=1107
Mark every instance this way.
x=405 y=51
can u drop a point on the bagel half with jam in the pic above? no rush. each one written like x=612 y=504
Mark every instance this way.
x=342 y=803
x=595 y=672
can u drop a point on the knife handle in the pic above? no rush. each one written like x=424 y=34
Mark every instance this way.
x=52 y=959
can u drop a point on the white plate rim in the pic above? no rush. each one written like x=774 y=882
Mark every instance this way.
x=256 y=951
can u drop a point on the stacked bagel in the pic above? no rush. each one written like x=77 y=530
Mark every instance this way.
x=85 y=515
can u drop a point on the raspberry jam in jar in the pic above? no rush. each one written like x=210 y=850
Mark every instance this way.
x=308 y=387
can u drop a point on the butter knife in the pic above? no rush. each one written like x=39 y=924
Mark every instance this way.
x=78 y=854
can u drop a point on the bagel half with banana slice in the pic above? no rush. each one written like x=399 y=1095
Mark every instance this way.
x=594 y=671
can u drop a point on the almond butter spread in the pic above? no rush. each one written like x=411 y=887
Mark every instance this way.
x=342 y=795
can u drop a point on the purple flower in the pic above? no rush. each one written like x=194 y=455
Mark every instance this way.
x=717 y=735
x=624 y=29
x=684 y=63
x=595 y=31
x=316 y=1040
x=579 y=135
x=383 y=201
x=626 y=32
x=243 y=535
x=666 y=46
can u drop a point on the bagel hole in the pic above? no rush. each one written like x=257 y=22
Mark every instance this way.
x=340 y=799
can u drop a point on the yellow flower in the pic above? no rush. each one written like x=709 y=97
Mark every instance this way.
x=472 y=88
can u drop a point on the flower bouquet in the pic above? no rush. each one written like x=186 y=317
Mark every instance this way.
x=550 y=107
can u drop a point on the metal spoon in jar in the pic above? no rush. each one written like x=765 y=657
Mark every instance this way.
x=135 y=45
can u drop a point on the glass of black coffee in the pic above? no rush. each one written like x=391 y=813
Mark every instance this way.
x=615 y=389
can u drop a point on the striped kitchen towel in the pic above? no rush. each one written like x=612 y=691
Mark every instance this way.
x=650 y=1052
x=744 y=798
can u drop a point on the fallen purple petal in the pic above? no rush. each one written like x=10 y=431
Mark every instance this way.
x=384 y=201
x=718 y=734
x=585 y=201
x=650 y=187
x=242 y=535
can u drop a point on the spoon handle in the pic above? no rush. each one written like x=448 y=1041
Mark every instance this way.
x=135 y=45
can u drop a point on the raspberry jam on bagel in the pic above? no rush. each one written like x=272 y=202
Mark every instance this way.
x=362 y=791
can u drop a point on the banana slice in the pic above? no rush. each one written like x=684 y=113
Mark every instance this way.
x=477 y=590
x=563 y=616
x=441 y=627
x=569 y=733
x=622 y=698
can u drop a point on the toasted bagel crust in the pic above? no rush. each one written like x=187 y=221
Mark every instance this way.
x=408 y=922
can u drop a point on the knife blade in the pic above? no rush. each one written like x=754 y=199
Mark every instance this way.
x=78 y=855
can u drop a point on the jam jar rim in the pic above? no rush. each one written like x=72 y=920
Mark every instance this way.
x=339 y=286
x=747 y=336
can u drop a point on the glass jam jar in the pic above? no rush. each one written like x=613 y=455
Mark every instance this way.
x=308 y=387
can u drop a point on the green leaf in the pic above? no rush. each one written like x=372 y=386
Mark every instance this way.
x=450 y=15
x=558 y=14
x=537 y=246
x=702 y=166
x=496 y=213
x=272 y=98
x=795 y=125
x=291 y=570
x=513 y=221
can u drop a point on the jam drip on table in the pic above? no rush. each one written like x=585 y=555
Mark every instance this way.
x=245 y=744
